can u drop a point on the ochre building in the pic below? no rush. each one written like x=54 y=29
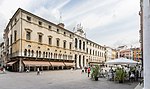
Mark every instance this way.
x=32 y=42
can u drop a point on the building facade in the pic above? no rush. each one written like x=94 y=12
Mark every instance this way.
x=31 y=42
x=110 y=53
x=2 y=61
x=137 y=54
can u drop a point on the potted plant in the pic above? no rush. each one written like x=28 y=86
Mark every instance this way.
x=95 y=72
x=120 y=75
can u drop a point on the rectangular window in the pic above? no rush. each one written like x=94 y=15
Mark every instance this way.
x=50 y=41
x=40 y=38
x=10 y=39
x=28 y=35
x=15 y=35
x=70 y=45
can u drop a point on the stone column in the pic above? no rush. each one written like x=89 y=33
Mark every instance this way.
x=146 y=43
x=20 y=65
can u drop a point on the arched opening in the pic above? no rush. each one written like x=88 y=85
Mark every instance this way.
x=25 y=52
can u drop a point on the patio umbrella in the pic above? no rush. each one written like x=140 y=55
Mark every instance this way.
x=121 y=61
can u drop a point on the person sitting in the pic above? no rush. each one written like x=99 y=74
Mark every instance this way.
x=132 y=76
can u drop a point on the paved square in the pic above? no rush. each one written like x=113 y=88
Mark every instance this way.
x=63 y=79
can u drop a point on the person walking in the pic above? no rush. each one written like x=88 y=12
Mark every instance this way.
x=4 y=70
x=88 y=71
x=38 y=71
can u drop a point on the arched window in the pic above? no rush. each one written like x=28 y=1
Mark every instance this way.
x=59 y=56
x=63 y=56
x=39 y=53
x=51 y=55
x=29 y=52
x=56 y=55
x=32 y=53
x=46 y=54
x=83 y=45
x=43 y=54
x=80 y=43
x=25 y=52
x=76 y=43
x=36 y=53
x=83 y=61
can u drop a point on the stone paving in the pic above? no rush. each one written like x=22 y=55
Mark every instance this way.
x=62 y=79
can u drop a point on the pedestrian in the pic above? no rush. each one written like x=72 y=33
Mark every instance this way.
x=88 y=71
x=82 y=70
x=38 y=71
x=3 y=69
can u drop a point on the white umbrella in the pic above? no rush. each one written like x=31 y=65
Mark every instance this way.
x=121 y=61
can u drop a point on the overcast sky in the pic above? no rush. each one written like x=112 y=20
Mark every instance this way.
x=106 y=22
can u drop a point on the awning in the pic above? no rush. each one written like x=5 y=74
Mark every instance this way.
x=69 y=63
x=36 y=63
x=57 y=63
x=11 y=63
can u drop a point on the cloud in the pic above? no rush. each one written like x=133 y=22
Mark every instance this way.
x=108 y=22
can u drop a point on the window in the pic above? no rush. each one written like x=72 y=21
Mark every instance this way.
x=58 y=30
x=65 y=33
x=10 y=39
x=28 y=35
x=70 y=45
x=93 y=52
x=50 y=41
x=86 y=50
x=76 y=42
x=40 y=38
x=46 y=54
x=28 y=52
x=79 y=44
x=64 y=43
x=28 y=18
x=40 y=23
x=36 y=53
x=70 y=35
x=43 y=54
x=49 y=27
x=90 y=51
x=57 y=42
x=15 y=35
x=83 y=45
x=25 y=52
x=39 y=53
x=32 y=53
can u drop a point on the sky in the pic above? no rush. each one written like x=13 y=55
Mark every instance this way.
x=107 y=22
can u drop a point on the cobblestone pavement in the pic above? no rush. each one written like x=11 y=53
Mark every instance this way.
x=63 y=79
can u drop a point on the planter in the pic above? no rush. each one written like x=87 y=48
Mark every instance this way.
x=120 y=81
x=96 y=78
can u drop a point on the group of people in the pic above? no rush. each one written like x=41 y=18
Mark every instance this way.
x=86 y=70
x=132 y=73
